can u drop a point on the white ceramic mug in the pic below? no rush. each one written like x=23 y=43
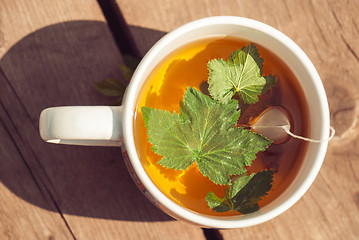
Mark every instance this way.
x=113 y=126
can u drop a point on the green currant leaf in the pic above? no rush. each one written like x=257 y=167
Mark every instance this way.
x=241 y=74
x=244 y=193
x=203 y=132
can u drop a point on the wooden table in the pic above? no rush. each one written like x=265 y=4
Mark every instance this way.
x=51 y=53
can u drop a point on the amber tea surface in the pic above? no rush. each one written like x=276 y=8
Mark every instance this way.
x=187 y=66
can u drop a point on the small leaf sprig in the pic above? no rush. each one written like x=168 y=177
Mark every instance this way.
x=114 y=87
x=243 y=194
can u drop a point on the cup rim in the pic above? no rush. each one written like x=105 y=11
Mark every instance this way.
x=129 y=103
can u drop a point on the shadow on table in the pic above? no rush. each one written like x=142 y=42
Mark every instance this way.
x=53 y=66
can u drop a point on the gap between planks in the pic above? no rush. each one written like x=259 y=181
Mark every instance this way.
x=127 y=46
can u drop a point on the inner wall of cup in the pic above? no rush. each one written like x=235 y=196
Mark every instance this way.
x=301 y=67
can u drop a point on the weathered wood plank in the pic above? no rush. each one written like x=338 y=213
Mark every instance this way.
x=19 y=218
x=52 y=53
x=328 y=32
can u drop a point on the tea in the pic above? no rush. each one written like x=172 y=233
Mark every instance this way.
x=187 y=66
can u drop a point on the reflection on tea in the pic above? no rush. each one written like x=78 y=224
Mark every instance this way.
x=165 y=88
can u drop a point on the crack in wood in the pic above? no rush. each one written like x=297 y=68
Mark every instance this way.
x=316 y=49
x=353 y=170
x=15 y=144
x=350 y=48
x=22 y=105
x=14 y=93
x=288 y=9
x=317 y=23
x=336 y=18
x=341 y=110
x=355 y=25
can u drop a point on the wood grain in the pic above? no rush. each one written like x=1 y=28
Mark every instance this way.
x=19 y=218
x=51 y=54
x=328 y=32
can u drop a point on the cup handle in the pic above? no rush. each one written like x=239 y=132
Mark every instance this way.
x=82 y=125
